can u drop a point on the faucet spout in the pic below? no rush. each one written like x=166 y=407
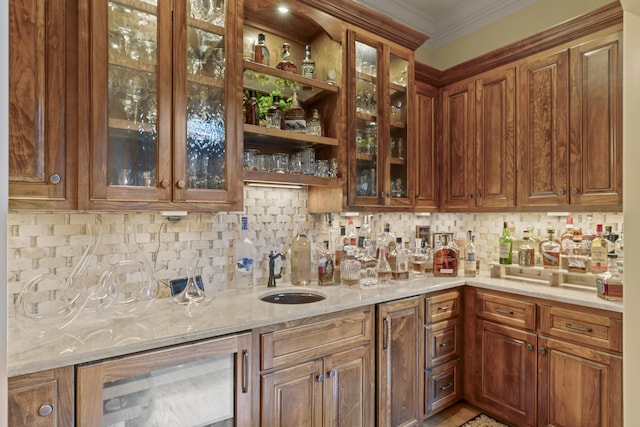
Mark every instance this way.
x=272 y=266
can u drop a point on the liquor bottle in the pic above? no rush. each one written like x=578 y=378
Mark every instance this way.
x=301 y=257
x=251 y=109
x=577 y=261
x=566 y=239
x=325 y=266
x=369 y=265
x=526 y=254
x=418 y=260
x=261 y=52
x=505 y=246
x=308 y=64
x=470 y=257
x=619 y=250
x=611 y=237
x=445 y=257
x=275 y=115
x=314 y=126
x=245 y=256
x=364 y=233
x=383 y=268
x=550 y=250
x=350 y=268
x=386 y=239
x=399 y=261
x=294 y=116
x=610 y=283
x=285 y=63
x=340 y=247
x=599 y=251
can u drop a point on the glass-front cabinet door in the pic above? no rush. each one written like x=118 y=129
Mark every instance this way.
x=158 y=80
x=380 y=143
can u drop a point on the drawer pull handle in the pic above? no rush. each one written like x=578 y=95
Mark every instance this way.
x=444 y=344
x=578 y=328
x=387 y=333
x=503 y=311
x=446 y=387
x=245 y=371
x=45 y=410
x=444 y=308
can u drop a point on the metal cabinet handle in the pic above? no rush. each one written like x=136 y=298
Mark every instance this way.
x=387 y=333
x=529 y=347
x=561 y=192
x=245 y=371
x=503 y=311
x=578 y=328
x=331 y=374
x=542 y=350
x=45 y=410
x=55 y=179
x=444 y=308
x=444 y=344
x=320 y=378
x=446 y=387
x=574 y=191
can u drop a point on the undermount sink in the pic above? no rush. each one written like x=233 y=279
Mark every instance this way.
x=292 y=297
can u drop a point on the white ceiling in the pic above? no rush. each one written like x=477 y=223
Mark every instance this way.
x=446 y=20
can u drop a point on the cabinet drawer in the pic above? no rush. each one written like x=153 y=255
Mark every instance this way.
x=443 y=342
x=442 y=306
x=443 y=386
x=299 y=341
x=507 y=311
x=596 y=330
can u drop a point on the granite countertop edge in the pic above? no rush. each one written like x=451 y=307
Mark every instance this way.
x=92 y=338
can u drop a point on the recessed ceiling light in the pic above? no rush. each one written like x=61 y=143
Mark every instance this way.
x=283 y=9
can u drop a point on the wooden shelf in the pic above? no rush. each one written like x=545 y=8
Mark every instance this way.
x=544 y=276
x=290 y=178
x=205 y=26
x=260 y=134
x=397 y=161
x=124 y=124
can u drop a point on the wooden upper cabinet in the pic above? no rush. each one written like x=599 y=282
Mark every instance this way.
x=596 y=122
x=41 y=91
x=542 y=130
x=427 y=167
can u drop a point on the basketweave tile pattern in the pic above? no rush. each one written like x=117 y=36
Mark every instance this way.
x=53 y=242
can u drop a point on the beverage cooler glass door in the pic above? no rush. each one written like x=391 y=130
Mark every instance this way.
x=366 y=132
x=399 y=173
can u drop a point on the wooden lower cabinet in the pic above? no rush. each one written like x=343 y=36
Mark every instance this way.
x=399 y=331
x=42 y=399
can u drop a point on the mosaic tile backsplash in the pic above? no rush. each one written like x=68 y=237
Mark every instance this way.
x=40 y=243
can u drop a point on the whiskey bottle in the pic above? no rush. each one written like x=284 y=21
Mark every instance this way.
x=400 y=263
x=251 y=109
x=308 y=64
x=285 y=63
x=350 y=268
x=567 y=237
x=314 y=126
x=445 y=257
x=470 y=257
x=383 y=268
x=275 y=115
x=577 y=261
x=599 y=251
x=325 y=266
x=261 y=52
x=294 y=116
x=526 y=254
x=505 y=246
x=550 y=250
x=609 y=284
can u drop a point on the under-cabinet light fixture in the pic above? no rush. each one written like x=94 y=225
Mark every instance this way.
x=558 y=214
x=347 y=214
x=423 y=213
x=287 y=186
x=283 y=9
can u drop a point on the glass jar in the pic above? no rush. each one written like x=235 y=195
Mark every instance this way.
x=609 y=283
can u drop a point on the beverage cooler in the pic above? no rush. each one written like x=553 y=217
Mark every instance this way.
x=199 y=384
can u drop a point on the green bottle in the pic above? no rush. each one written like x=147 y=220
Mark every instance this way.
x=506 y=246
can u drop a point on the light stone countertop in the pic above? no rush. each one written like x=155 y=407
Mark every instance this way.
x=91 y=338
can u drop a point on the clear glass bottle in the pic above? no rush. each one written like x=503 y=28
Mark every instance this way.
x=610 y=283
x=364 y=233
x=611 y=237
x=400 y=264
x=383 y=268
x=340 y=247
x=550 y=250
x=325 y=266
x=308 y=64
x=386 y=239
x=445 y=257
x=566 y=239
x=418 y=260
x=350 y=268
x=369 y=265
x=294 y=116
x=251 y=115
x=577 y=260
x=619 y=249
x=275 y=115
x=505 y=246
x=314 y=126
x=526 y=254
x=470 y=257
x=261 y=52
x=285 y=63
x=301 y=257
x=245 y=255
x=599 y=251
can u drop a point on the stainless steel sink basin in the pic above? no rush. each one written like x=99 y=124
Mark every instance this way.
x=292 y=297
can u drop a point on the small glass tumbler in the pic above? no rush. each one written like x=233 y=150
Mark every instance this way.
x=281 y=162
x=250 y=159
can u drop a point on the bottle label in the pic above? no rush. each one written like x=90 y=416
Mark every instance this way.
x=551 y=259
x=599 y=260
x=245 y=264
x=505 y=250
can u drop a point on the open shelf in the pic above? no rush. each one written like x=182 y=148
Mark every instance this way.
x=260 y=134
x=290 y=178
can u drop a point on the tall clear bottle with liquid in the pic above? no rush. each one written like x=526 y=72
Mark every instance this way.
x=301 y=256
x=526 y=253
x=470 y=257
x=619 y=249
x=599 y=251
x=245 y=256
x=505 y=247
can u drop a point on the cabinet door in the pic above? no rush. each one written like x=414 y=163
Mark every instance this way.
x=40 y=82
x=292 y=396
x=458 y=154
x=578 y=386
x=542 y=131
x=506 y=380
x=399 y=356
x=42 y=399
x=596 y=125
x=349 y=388
x=495 y=164
x=427 y=167
x=201 y=383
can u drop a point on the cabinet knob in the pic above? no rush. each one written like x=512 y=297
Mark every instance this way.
x=164 y=183
x=529 y=347
x=542 y=350
x=478 y=196
x=181 y=184
x=45 y=410
x=331 y=374
x=561 y=192
x=55 y=179
x=574 y=191
x=320 y=378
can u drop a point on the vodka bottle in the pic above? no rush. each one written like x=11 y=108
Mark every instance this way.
x=245 y=255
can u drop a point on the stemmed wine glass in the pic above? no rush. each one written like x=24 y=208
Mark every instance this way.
x=135 y=91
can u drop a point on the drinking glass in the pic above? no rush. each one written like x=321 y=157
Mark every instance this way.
x=281 y=162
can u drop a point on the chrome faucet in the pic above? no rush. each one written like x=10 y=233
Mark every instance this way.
x=272 y=266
